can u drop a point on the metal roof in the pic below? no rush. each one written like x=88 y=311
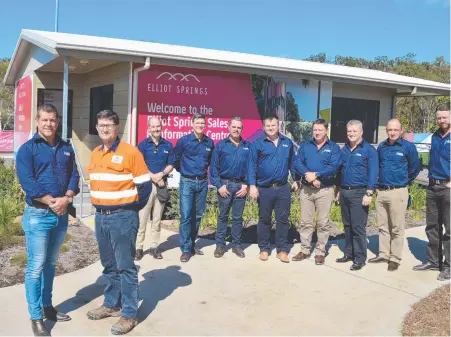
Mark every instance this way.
x=137 y=51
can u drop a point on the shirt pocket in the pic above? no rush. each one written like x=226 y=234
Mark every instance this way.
x=115 y=167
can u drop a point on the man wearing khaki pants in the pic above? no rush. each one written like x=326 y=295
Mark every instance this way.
x=398 y=167
x=318 y=161
x=157 y=154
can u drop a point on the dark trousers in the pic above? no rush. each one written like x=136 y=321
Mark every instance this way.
x=354 y=217
x=225 y=204
x=437 y=215
x=279 y=200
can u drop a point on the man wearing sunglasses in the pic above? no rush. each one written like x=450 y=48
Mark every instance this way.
x=157 y=154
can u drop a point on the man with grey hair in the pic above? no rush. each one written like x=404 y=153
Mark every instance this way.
x=228 y=174
x=357 y=180
x=157 y=154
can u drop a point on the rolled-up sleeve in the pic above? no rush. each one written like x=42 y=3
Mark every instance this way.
x=25 y=173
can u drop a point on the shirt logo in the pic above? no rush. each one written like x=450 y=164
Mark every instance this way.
x=166 y=151
x=207 y=149
x=400 y=154
x=358 y=154
x=284 y=145
x=67 y=154
x=326 y=151
x=447 y=141
x=117 y=159
x=245 y=148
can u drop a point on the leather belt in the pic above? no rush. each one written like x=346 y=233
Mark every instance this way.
x=387 y=188
x=352 y=187
x=233 y=180
x=438 y=182
x=110 y=211
x=202 y=177
x=272 y=185
x=37 y=204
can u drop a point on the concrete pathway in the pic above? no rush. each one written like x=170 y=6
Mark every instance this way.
x=232 y=296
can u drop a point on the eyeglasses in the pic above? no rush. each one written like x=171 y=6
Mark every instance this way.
x=106 y=126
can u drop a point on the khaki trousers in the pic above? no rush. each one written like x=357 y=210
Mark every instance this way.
x=391 y=208
x=319 y=200
x=155 y=207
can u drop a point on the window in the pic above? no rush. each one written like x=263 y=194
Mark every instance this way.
x=101 y=98
x=345 y=109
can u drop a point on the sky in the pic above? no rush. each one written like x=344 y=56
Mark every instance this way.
x=286 y=28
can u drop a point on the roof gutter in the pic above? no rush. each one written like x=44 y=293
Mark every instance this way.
x=146 y=66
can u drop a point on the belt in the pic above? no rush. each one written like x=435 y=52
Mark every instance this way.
x=233 y=180
x=202 y=177
x=438 y=182
x=109 y=211
x=272 y=185
x=387 y=188
x=352 y=187
x=37 y=204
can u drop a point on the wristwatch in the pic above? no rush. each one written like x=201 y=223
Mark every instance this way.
x=369 y=194
x=70 y=199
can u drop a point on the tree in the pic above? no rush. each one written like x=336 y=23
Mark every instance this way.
x=6 y=98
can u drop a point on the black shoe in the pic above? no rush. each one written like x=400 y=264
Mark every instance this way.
x=219 y=252
x=197 y=251
x=377 y=259
x=425 y=266
x=38 y=327
x=238 y=252
x=343 y=259
x=357 y=266
x=185 y=257
x=139 y=254
x=53 y=315
x=156 y=253
x=444 y=274
x=392 y=266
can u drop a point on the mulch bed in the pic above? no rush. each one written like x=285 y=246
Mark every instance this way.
x=81 y=252
x=430 y=316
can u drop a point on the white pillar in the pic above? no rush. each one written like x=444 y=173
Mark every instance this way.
x=65 y=96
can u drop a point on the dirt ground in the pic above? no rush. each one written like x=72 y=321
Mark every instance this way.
x=430 y=316
x=81 y=251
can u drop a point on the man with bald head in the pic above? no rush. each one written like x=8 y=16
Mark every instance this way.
x=157 y=154
x=399 y=165
x=437 y=198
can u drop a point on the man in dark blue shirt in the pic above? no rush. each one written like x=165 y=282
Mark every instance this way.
x=319 y=159
x=157 y=153
x=272 y=156
x=48 y=174
x=398 y=167
x=192 y=156
x=228 y=174
x=437 y=198
x=357 y=181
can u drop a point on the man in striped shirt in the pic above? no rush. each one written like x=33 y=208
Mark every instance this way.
x=120 y=187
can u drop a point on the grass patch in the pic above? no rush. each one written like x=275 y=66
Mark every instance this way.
x=67 y=238
x=9 y=240
x=19 y=259
x=430 y=316
x=64 y=248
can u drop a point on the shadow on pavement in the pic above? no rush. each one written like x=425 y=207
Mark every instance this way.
x=418 y=248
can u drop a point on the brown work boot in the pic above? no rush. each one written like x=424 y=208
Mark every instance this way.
x=124 y=326
x=283 y=256
x=300 y=256
x=103 y=312
x=264 y=256
x=319 y=259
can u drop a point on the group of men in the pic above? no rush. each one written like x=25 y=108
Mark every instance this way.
x=129 y=184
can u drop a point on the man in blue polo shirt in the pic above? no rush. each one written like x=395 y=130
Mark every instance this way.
x=437 y=198
x=192 y=156
x=319 y=159
x=357 y=181
x=48 y=174
x=157 y=153
x=272 y=156
x=228 y=174
x=399 y=165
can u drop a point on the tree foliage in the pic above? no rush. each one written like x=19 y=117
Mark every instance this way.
x=416 y=113
x=6 y=98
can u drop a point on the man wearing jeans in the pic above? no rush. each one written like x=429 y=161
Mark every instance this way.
x=157 y=153
x=398 y=167
x=437 y=198
x=120 y=187
x=48 y=174
x=319 y=159
x=271 y=157
x=228 y=174
x=192 y=156
x=357 y=181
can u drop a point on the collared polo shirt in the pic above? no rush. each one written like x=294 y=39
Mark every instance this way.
x=156 y=156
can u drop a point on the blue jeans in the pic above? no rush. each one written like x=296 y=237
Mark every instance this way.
x=279 y=200
x=193 y=195
x=44 y=234
x=116 y=236
x=237 y=205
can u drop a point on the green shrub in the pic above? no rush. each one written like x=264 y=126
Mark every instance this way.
x=19 y=259
x=9 y=211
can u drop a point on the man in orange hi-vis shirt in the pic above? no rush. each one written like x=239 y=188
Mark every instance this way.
x=120 y=187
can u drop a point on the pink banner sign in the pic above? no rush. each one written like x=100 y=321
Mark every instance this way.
x=6 y=141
